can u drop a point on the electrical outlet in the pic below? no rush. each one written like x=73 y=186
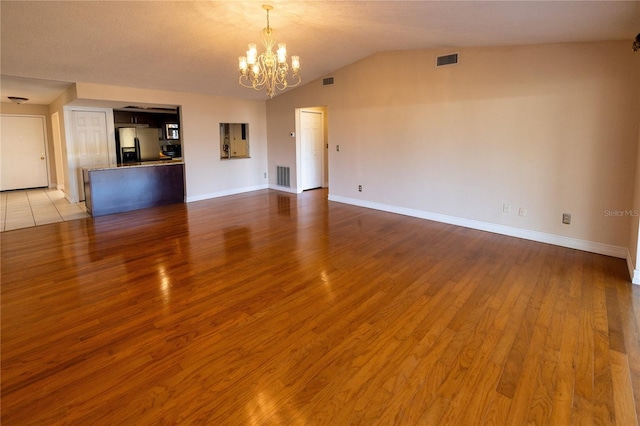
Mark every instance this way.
x=265 y=174
x=337 y=147
x=506 y=208
x=566 y=218
x=522 y=212
x=359 y=188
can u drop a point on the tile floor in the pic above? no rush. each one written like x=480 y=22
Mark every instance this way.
x=33 y=207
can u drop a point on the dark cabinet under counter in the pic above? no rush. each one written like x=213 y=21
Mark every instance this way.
x=120 y=189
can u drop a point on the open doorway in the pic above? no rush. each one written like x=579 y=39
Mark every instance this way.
x=311 y=148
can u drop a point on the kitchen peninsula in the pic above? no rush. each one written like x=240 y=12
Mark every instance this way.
x=133 y=186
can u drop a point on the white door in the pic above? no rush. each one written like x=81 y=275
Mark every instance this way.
x=238 y=142
x=23 y=159
x=311 y=143
x=91 y=144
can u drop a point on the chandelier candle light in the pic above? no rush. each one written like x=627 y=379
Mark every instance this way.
x=269 y=70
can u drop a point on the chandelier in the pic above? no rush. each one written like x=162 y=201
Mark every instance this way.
x=268 y=70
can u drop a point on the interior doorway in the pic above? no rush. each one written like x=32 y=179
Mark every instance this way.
x=311 y=149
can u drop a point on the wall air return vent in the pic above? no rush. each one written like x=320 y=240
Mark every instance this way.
x=327 y=81
x=451 y=59
x=283 y=176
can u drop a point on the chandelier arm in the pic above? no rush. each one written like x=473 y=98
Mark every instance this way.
x=248 y=84
x=292 y=81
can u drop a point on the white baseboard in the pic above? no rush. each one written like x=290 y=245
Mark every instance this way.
x=240 y=191
x=225 y=193
x=60 y=186
x=283 y=189
x=633 y=272
x=542 y=237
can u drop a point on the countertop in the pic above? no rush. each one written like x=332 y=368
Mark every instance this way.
x=138 y=164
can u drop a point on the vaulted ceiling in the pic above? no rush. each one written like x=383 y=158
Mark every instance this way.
x=193 y=46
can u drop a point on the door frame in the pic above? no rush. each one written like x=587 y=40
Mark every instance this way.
x=325 y=160
x=57 y=149
x=46 y=141
x=72 y=193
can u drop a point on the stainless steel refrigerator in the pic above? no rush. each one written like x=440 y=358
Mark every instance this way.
x=145 y=140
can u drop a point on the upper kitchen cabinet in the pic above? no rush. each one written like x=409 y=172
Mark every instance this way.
x=129 y=117
x=168 y=122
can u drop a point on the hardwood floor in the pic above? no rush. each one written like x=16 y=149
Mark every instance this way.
x=272 y=308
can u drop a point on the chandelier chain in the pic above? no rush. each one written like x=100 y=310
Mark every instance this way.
x=267 y=19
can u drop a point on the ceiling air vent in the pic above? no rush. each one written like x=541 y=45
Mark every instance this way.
x=447 y=60
x=327 y=81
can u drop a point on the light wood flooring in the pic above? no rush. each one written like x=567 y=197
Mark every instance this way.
x=272 y=308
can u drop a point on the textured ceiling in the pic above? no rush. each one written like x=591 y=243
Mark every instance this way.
x=193 y=46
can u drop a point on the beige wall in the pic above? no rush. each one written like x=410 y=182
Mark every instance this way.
x=206 y=174
x=549 y=128
x=634 y=229
x=31 y=109
x=634 y=240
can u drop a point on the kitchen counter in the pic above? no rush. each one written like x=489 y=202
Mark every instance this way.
x=117 y=189
x=138 y=164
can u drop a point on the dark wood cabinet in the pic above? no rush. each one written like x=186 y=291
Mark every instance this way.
x=128 y=117
x=152 y=119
